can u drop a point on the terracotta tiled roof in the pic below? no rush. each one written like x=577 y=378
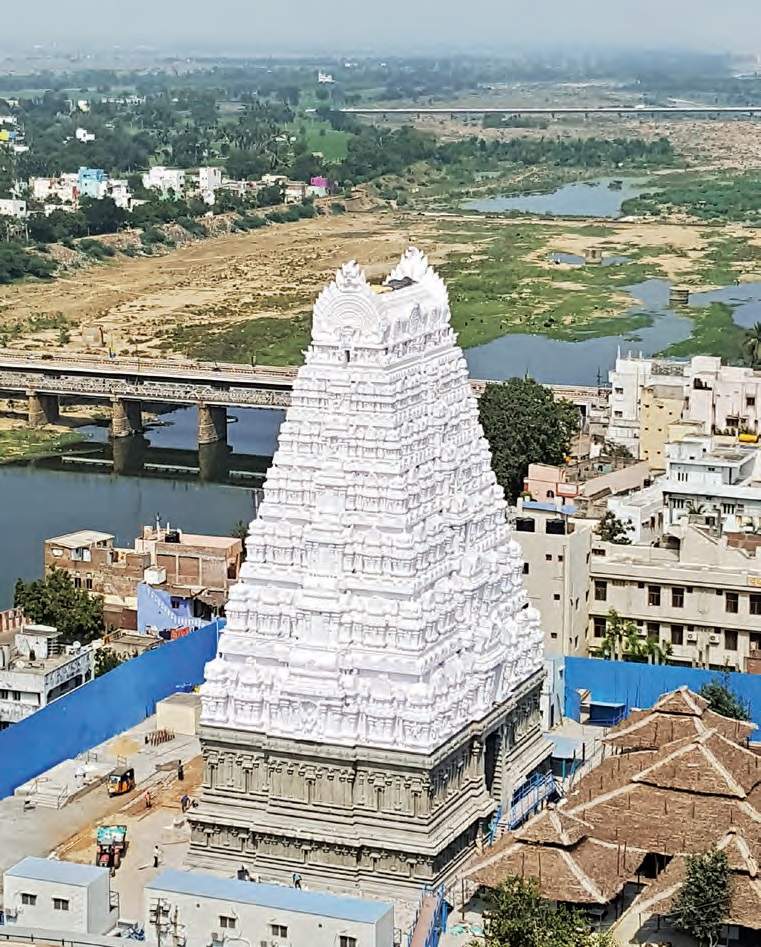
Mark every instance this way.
x=681 y=701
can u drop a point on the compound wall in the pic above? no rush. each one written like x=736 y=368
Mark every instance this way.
x=103 y=708
x=640 y=685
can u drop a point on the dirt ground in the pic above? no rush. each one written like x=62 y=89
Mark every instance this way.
x=276 y=271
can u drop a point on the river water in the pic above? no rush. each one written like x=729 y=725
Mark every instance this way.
x=600 y=197
x=209 y=492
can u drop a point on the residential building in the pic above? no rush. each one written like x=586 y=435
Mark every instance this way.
x=698 y=593
x=295 y=192
x=319 y=187
x=82 y=134
x=62 y=189
x=35 y=669
x=325 y=78
x=61 y=898
x=169 y=579
x=12 y=207
x=92 y=182
x=205 y=909
x=648 y=394
x=556 y=552
x=209 y=179
x=166 y=180
x=119 y=191
x=381 y=663
x=586 y=483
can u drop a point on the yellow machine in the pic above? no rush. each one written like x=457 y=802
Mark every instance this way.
x=121 y=781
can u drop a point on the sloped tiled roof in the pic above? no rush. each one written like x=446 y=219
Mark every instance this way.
x=554 y=827
x=674 y=716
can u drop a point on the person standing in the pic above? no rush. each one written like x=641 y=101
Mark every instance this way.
x=156 y=856
x=297 y=880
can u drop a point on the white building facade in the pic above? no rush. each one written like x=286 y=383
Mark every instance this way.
x=191 y=909
x=46 y=895
x=35 y=671
x=381 y=617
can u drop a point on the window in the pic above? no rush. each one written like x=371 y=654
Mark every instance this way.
x=60 y=904
x=17 y=695
x=730 y=639
x=677 y=635
x=619 y=391
x=677 y=597
x=727 y=509
x=654 y=595
x=548 y=557
x=279 y=930
x=525 y=568
x=732 y=602
x=345 y=941
x=653 y=631
x=88 y=583
x=750 y=401
x=30 y=899
x=601 y=590
x=77 y=582
x=556 y=596
x=525 y=525
x=227 y=922
x=560 y=558
x=618 y=414
x=755 y=642
x=755 y=604
x=599 y=626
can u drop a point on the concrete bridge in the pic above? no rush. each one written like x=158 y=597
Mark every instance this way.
x=617 y=111
x=127 y=383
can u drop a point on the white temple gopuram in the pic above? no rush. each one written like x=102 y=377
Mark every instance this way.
x=375 y=696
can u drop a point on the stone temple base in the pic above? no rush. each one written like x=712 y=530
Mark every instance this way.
x=358 y=819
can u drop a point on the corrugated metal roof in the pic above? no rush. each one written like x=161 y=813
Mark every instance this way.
x=50 y=869
x=270 y=896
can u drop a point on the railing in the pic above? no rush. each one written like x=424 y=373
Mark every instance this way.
x=432 y=911
x=531 y=796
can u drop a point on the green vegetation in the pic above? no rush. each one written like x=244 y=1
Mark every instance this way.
x=622 y=642
x=27 y=443
x=715 y=333
x=723 y=700
x=271 y=341
x=16 y=263
x=725 y=197
x=752 y=345
x=106 y=659
x=53 y=600
x=518 y=916
x=524 y=424
x=611 y=529
x=703 y=901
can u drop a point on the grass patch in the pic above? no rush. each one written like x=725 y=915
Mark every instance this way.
x=715 y=333
x=726 y=257
x=319 y=136
x=269 y=340
x=495 y=291
x=28 y=443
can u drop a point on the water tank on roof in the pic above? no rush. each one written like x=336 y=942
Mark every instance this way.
x=172 y=536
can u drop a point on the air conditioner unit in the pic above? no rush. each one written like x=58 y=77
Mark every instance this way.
x=691 y=636
x=714 y=639
x=642 y=632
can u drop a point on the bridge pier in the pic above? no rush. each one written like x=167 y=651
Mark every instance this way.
x=128 y=454
x=212 y=423
x=43 y=409
x=126 y=418
x=214 y=461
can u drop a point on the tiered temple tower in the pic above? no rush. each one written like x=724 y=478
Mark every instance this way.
x=376 y=692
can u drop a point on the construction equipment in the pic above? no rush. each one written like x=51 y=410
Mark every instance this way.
x=121 y=781
x=111 y=843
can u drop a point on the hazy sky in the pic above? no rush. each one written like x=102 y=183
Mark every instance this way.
x=406 y=24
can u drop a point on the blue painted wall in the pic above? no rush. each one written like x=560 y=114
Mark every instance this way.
x=106 y=706
x=640 y=685
x=155 y=610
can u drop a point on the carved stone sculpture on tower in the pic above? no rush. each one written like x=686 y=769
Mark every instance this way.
x=381 y=603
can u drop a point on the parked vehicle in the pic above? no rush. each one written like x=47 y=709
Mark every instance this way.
x=121 y=781
x=111 y=843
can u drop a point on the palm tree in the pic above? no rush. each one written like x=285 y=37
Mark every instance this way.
x=752 y=344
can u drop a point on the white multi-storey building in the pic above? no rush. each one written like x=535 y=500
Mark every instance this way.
x=35 y=670
x=209 y=179
x=12 y=207
x=649 y=394
x=165 y=180
x=376 y=692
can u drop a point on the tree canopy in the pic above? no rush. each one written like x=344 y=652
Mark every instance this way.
x=517 y=916
x=703 y=900
x=611 y=529
x=722 y=700
x=525 y=425
x=55 y=601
